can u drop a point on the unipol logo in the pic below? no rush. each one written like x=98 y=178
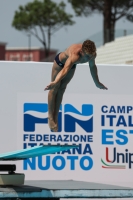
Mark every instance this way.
x=37 y=113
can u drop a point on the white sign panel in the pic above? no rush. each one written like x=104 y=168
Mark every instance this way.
x=101 y=125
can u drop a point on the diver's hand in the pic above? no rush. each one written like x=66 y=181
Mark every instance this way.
x=50 y=86
x=101 y=86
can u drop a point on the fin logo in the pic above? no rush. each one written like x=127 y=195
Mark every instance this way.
x=37 y=113
x=83 y=119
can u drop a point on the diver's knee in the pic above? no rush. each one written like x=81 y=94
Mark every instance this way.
x=62 y=89
x=55 y=89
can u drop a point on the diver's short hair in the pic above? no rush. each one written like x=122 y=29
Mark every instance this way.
x=88 y=46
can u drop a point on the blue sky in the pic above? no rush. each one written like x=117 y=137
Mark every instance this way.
x=82 y=29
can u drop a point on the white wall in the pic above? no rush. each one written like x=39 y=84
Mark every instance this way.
x=32 y=77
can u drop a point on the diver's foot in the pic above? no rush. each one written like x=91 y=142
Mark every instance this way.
x=56 y=121
x=52 y=125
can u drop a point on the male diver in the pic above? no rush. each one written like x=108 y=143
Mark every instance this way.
x=62 y=72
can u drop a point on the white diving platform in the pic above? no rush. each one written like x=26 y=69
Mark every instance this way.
x=54 y=190
x=13 y=185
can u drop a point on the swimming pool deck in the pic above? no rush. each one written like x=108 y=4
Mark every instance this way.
x=56 y=189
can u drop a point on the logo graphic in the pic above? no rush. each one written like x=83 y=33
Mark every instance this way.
x=84 y=119
x=116 y=158
x=37 y=113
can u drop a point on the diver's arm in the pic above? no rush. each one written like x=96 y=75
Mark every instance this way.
x=94 y=74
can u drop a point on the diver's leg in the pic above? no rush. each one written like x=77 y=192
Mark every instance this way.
x=51 y=98
x=60 y=92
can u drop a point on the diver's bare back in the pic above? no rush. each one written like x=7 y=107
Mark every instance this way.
x=73 y=49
